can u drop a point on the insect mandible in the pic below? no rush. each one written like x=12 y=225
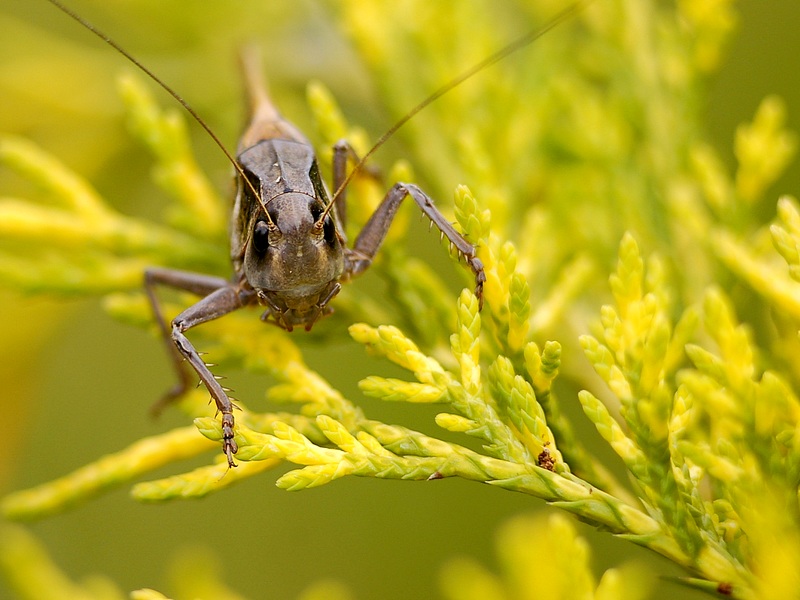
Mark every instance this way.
x=288 y=248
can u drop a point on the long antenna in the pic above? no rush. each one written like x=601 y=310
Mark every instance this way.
x=86 y=24
x=505 y=51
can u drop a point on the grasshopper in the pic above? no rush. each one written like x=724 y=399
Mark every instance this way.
x=288 y=246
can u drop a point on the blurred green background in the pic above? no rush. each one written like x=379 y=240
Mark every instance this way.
x=77 y=384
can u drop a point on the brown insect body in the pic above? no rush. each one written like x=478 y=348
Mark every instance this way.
x=278 y=246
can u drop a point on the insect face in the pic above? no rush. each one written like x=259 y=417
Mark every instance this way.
x=289 y=253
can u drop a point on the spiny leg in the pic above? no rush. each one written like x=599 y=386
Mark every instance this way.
x=222 y=300
x=372 y=235
x=196 y=283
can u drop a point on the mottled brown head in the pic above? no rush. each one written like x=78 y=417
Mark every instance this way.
x=293 y=255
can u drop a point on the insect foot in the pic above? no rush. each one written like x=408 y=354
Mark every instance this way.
x=480 y=278
x=229 y=446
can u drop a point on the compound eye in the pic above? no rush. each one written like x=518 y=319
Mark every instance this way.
x=261 y=236
x=328 y=227
x=329 y=230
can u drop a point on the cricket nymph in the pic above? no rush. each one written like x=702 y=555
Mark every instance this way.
x=288 y=248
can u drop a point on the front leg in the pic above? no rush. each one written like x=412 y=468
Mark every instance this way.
x=372 y=235
x=223 y=298
x=216 y=304
x=196 y=283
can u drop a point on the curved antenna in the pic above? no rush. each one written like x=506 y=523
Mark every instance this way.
x=86 y=24
x=499 y=55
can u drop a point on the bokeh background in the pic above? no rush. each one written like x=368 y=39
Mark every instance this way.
x=76 y=384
